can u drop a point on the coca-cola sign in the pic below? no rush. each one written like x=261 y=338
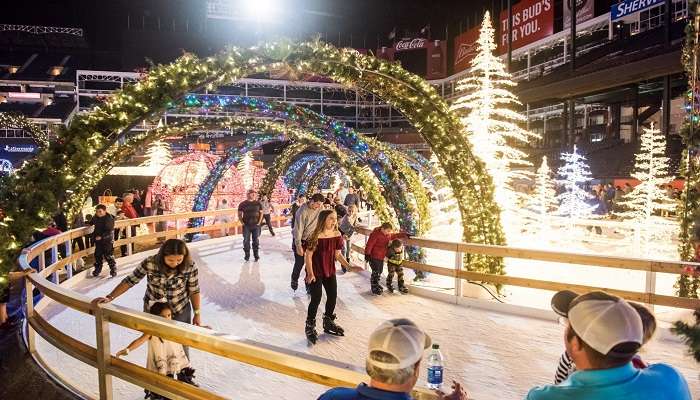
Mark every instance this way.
x=410 y=44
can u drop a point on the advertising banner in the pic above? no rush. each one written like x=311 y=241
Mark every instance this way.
x=584 y=11
x=532 y=20
x=410 y=44
x=465 y=49
x=627 y=7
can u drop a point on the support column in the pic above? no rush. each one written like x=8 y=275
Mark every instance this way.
x=572 y=24
x=564 y=124
x=571 y=139
x=616 y=116
x=544 y=130
x=528 y=65
x=635 y=114
x=667 y=23
x=666 y=106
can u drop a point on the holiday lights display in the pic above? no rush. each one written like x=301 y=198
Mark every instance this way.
x=158 y=155
x=18 y=121
x=493 y=126
x=91 y=135
x=574 y=201
x=688 y=210
x=393 y=168
x=281 y=164
x=245 y=168
x=292 y=178
x=305 y=179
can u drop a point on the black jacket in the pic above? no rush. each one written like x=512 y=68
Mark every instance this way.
x=104 y=227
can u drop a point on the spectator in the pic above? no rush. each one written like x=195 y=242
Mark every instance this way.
x=351 y=198
x=341 y=192
x=393 y=364
x=88 y=222
x=78 y=222
x=137 y=203
x=304 y=225
x=300 y=201
x=60 y=219
x=13 y=277
x=603 y=334
x=129 y=213
x=566 y=364
x=172 y=277
x=267 y=210
x=51 y=230
x=628 y=188
x=158 y=207
x=104 y=241
x=375 y=252
x=250 y=215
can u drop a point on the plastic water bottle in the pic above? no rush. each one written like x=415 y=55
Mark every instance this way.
x=435 y=369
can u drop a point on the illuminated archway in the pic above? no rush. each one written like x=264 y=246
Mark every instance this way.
x=53 y=174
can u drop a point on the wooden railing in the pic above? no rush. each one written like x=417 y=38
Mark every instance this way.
x=460 y=274
x=284 y=361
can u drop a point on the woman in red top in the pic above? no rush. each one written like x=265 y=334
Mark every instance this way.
x=321 y=252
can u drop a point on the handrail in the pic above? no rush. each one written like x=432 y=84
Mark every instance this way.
x=309 y=368
x=648 y=265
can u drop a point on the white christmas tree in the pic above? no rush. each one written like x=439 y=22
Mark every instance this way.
x=492 y=125
x=158 y=155
x=574 y=202
x=245 y=169
x=648 y=197
x=544 y=199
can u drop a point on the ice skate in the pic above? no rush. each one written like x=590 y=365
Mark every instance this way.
x=310 y=331
x=330 y=327
x=403 y=289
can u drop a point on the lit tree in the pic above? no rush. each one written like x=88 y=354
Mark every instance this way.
x=158 y=155
x=245 y=168
x=648 y=197
x=574 y=201
x=491 y=123
x=544 y=200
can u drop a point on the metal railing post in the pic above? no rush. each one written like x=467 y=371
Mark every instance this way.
x=69 y=252
x=459 y=262
x=127 y=234
x=54 y=260
x=103 y=354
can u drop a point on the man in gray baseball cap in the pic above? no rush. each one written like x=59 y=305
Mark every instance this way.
x=393 y=363
x=603 y=334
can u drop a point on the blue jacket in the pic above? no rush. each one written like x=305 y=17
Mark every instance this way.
x=363 y=392
x=658 y=381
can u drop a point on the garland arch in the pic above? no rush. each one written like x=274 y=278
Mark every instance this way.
x=52 y=174
x=18 y=121
x=387 y=163
x=292 y=178
x=281 y=164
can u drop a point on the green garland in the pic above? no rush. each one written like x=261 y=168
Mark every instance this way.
x=54 y=171
x=18 y=121
x=688 y=210
x=280 y=165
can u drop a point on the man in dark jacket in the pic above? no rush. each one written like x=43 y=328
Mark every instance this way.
x=351 y=198
x=103 y=238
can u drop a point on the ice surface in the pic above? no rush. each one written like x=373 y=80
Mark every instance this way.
x=496 y=355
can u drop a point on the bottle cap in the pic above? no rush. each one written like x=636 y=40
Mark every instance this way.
x=436 y=346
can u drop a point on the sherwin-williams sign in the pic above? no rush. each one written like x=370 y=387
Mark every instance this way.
x=628 y=7
x=532 y=20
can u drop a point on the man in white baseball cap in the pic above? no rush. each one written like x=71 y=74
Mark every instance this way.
x=603 y=334
x=393 y=363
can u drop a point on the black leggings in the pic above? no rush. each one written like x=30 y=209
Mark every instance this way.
x=331 y=286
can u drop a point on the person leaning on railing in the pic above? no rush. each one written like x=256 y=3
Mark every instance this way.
x=172 y=277
x=393 y=364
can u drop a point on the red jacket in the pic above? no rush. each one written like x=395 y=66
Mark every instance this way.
x=378 y=243
x=129 y=210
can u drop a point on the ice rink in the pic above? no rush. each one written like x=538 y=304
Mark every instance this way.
x=496 y=355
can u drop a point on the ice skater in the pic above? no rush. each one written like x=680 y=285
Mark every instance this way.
x=394 y=258
x=375 y=252
x=164 y=356
x=104 y=241
x=322 y=250
x=267 y=210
